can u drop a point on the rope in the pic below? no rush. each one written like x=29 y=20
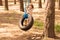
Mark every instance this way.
x=25 y=11
x=25 y=6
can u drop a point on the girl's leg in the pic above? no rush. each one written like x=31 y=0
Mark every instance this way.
x=25 y=22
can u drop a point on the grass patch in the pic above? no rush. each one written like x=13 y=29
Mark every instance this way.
x=57 y=28
x=38 y=24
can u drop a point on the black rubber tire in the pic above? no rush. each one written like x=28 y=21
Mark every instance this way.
x=30 y=24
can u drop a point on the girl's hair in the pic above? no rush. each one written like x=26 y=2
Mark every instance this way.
x=30 y=5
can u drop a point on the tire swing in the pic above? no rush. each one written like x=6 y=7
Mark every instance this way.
x=21 y=21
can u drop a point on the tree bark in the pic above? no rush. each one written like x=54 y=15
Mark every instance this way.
x=1 y=3
x=14 y=1
x=40 y=4
x=50 y=19
x=59 y=4
x=21 y=5
x=6 y=5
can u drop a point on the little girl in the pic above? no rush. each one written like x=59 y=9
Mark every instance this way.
x=29 y=11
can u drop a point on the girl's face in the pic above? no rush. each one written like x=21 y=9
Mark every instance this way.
x=30 y=6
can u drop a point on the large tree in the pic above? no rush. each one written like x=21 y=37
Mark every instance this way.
x=40 y=4
x=59 y=4
x=50 y=19
x=21 y=5
x=1 y=3
x=6 y=4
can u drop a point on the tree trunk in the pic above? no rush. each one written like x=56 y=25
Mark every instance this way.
x=50 y=19
x=1 y=3
x=21 y=5
x=6 y=5
x=40 y=4
x=59 y=4
x=14 y=1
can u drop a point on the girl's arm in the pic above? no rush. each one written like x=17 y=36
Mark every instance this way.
x=29 y=11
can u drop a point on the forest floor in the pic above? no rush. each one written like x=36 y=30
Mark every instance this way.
x=9 y=29
x=9 y=21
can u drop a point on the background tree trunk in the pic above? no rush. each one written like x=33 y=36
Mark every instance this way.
x=21 y=5
x=14 y=1
x=1 y=3
x=50 y=19
x=6 y=4
x=40 y=4
x=59 y=4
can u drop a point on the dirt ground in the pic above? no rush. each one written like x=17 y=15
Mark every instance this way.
x=9 y=29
